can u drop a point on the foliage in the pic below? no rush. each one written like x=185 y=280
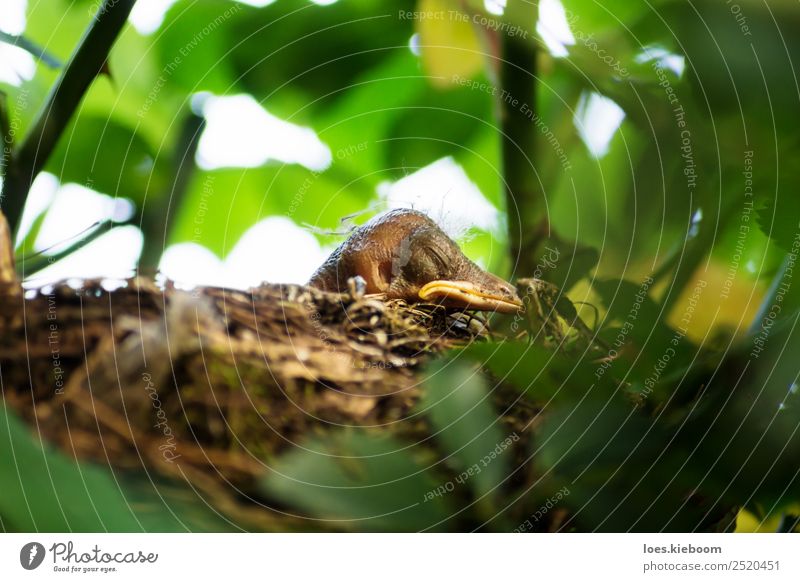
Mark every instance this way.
x=681 y=411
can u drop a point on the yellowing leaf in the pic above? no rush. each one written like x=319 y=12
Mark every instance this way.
x=746 y=522
x=449 y=45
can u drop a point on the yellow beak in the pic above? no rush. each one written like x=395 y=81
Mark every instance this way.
x=469 y=296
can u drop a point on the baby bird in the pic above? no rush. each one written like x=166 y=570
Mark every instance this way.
x=403 y=254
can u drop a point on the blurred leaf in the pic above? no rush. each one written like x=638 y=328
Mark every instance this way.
x=448 y=43
x=778 y=204
x=41 y=490
x=302 y=53
x=456 y=401
x=26 y=248
x=537 y=372
x=740 y=67
x=629 y=301
x=564 y=264
x=750 y=420
x=357 y=126
x=610 y=15
x=622 y=474
x=107 y=156
x=358 y=481
x=438 y=124
x=195 y=41
x=220 y=205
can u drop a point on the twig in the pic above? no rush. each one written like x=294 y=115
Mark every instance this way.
x=32 y=48
x=34 y=263
x=65 y=96
x=157 y=218
x=522 y=184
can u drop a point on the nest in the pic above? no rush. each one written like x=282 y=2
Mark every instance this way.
x=210 y=385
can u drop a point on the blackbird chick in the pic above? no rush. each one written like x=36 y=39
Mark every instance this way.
x=405 y=255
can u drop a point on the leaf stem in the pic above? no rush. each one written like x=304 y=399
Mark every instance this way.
x=155 y=220
x=85 y=64
x=26 y=266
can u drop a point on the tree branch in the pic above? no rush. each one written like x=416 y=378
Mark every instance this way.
x=156 y=220
x=518 y=149
x=5 y=134
x=85 y=64
x=29 y=266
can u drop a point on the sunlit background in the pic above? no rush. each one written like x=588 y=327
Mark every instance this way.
x=241 y=133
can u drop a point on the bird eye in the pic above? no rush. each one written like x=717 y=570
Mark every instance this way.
x=439 y=258
x=426 y=259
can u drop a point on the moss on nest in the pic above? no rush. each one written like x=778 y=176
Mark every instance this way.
x=210 y=385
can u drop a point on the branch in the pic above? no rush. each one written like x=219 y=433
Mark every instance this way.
x=5 y=134
x=28 y=266
x=30 y=47
x=8 y=278
x=156 y=220
x=518 y=149
x=65 y=96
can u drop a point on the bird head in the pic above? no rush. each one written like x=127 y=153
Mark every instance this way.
x=406 y=255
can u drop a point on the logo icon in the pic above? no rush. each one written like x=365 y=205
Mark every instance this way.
x=31 y=555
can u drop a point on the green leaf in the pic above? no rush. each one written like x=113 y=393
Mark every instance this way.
x=107 y=156
x=438 y=124
x=541 y=375
x=220 y=205
x=297 y=53
x=778 y=204
x=465 y=424
x=194 y=43
x=41 y=490
x=609 y=15
x=358 y=481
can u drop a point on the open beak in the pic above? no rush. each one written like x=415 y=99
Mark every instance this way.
x=468 y=295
